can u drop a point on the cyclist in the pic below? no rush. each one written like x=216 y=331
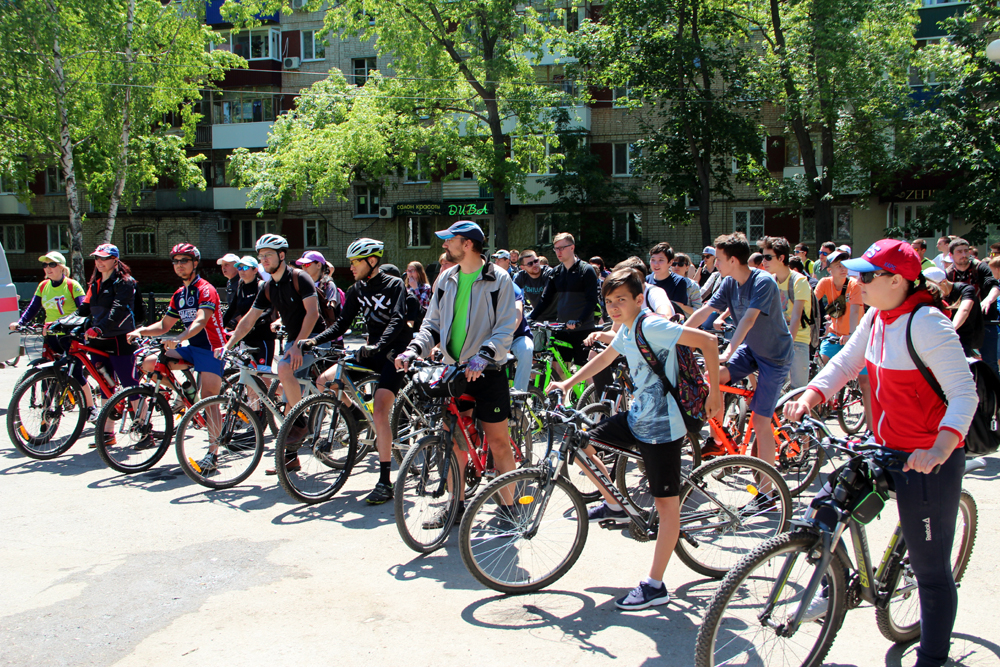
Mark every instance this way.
x=292 y=294
x=196 y=304
x=331 y=298
x=381 y=300
x=761 y=341
x=473 y=317
x=776 y=251
x=532 y=279
x=661 y=257
x=653 y=424
x=260 y=337
x=227 y=264
x=910 y=417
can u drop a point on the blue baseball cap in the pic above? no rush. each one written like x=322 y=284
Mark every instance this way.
x=466 y=228
x=105 y=250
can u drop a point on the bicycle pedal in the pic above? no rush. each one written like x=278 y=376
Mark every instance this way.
x=609 y=524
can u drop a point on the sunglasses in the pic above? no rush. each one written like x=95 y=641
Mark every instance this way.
x=51 y=265
x=868 y=276
x=824 y=254
x=244 y=267
x=531 y=263
x=186 y=260
x=769 y=258
x=679 y=264
x=561 y=247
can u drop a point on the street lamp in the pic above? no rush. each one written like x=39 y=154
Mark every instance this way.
x=993 y=51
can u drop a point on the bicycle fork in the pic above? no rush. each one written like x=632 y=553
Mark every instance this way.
x=790 y=627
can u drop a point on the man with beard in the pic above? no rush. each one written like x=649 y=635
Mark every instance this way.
x=381 y=299
x=532 y=279
x=963 y=270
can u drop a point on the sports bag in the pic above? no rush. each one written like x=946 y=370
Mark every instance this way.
x=984 y=432
x=691 y=390
x=440 y=381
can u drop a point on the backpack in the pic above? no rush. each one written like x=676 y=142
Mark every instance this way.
x=984 y=432
x=138 y=306
x=691 y=390
x=812 y=322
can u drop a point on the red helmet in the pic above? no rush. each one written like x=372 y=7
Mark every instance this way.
x=185 y=249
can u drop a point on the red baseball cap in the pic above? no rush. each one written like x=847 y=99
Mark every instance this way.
x=890 y=255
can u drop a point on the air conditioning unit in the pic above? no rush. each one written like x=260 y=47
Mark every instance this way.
x=299 y=4
x=223 y=226
x=291 y=62
x=385 y=212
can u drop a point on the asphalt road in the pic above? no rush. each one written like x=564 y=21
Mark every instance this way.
x=98 y=568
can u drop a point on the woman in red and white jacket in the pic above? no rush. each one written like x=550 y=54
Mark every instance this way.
x=910 y=417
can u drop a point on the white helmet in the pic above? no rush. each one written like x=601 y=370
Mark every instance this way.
x=271 y=242
x=361 y=248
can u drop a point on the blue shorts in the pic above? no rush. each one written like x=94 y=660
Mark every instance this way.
x=770 y=378
x=203 y=360
x=829 y=349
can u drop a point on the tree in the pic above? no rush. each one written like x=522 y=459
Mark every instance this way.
x=838 y=72
x=684 y=66
x=85 y=85
x=463 y=81
x=955 y=131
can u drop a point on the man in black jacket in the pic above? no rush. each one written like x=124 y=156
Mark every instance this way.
x=979 y=276
x=573 y=289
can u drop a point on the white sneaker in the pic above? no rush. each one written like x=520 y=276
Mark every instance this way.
x=817 y=608
x=92 y=416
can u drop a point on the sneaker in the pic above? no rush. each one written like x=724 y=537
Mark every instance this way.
x=92 y=414
x=504 y=519
x=382 y=493
x=603 y=511
x=643 y=596
x=712 y=449
x=291 y=465
x=208 y=465
x=437 y=521
x=109 y=441
x=145 y=443
x=817 y=609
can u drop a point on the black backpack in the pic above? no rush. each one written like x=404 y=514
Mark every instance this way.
x=984 y=432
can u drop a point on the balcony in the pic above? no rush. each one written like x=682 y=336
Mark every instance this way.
x=185 y=200
x=228 y=199
x=533 y=184
x=9 y=205
x=241 y=135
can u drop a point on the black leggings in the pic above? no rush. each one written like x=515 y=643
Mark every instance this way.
x=928 y=508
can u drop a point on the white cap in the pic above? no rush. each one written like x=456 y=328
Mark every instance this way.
x=934 y=274
x=228 y=257
x=708 y=250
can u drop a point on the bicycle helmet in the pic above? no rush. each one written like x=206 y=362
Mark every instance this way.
x=271 y=242
x=185 y=249
x=362 y=248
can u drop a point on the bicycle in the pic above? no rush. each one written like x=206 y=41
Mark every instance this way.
x=548 y=353
x=758 y=614
x=426 y=503
x=847 y=405
x=724 y=513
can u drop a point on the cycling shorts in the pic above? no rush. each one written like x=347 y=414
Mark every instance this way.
x=662 y=461
x=492 y=394
x=770 y=378
x=203 y=360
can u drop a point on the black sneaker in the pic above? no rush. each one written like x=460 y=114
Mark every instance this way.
x=602 y=512
x=382 y=493
x=762 y=502
x=643 y=596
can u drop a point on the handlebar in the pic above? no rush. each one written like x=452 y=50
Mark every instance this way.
x=891 y=459
x=565 y=414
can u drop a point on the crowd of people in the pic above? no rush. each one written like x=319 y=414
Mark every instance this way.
x=771 y=298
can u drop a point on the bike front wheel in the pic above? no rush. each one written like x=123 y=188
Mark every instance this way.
x=746 y=622
x=46 y=414
x=142 y=428
x=851 y=407
x=219 y=441
x=900 y=620
x=424 y=500
x=728 y=507
x=523 y=531
x=323 y=460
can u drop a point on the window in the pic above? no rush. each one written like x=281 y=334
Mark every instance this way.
x=568 y=18
x=256 y=44
x=619 y=97
x=554 y=77
x=552 y=159
x=8 y=185
x=627 y=227
x=243 y=107
x=365 y=201
x=548 y=225
x=12 y=237
x=793 y=154
x=313 y=47
x=919 y=77
x=842 y=222
x=55 y=182
x=361 y=67
x=750 y=221
x=417 y=173
x=763 y=148
x=59 y=238
x=251 y=230
x=140 y=241
x=624 y=156
x=219 y=177
x=418 y=233
x=315 y=233
x=807 y=226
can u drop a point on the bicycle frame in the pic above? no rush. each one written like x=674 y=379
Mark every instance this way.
x=719 y=433
x=342 y=382
x=78 y=352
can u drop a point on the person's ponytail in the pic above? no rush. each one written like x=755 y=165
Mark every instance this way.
x=921 y=284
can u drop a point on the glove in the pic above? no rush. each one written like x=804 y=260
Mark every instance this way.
x=477 y=364
x=405 y=357
x=366 y=351
x=93 y=332
x=307 y=345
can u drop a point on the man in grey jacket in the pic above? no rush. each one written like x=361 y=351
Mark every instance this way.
x=472 y=317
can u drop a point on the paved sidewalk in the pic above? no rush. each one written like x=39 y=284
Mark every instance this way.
x=99 y=569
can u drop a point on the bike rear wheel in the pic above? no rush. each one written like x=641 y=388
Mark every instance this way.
x=851 y=411
x=325 y=457
x=235 y=430
x=496 y=542
x=143 y=429
x=725 y=513
x=739 y=630
x=424 y=500
x=630 y=472
x=900 y=620
x=410 y=420
x=46 y=414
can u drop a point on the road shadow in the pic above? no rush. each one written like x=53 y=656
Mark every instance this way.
x=347 y=508
x=443 y=566
x=966 y=651
x=68 y=465
x=241 y=498
x=165 y=478
x=991 y=471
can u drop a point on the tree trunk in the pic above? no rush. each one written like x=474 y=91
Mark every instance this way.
x=122 y=172
x=499 y=163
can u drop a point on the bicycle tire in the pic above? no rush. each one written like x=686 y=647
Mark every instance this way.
x=850 y=395
x=40 y=441
x=798 y=458
x=574 y=473
x=148 y=443
x=317 y=479
x=718 y=642
x=899 y=622
x=629 y=472
x=239 y=451
x=714 y=536
x=484 y=524
x=587 y=397
x=414 y=509
x=408 y=421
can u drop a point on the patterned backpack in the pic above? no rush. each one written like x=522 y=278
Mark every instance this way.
x=691 y=390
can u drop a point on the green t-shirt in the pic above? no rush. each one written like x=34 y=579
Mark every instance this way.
x=60 y=300
x=460 y=325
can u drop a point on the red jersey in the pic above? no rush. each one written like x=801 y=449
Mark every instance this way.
x=186 y=303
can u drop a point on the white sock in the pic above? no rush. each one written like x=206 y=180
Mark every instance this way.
x=615 y=507
x=655 y=583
